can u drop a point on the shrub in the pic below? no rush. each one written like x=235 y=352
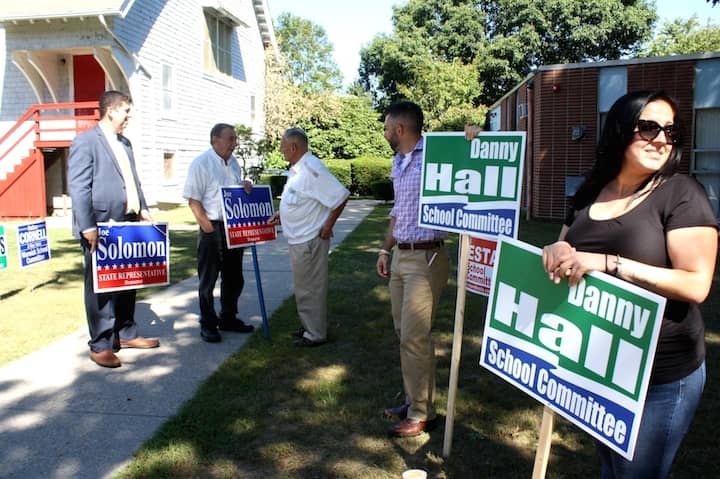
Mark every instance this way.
x=341 y=170
x=276 y=182
x=383 y=190
x=366 y=171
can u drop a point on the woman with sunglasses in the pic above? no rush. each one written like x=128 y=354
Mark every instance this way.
x=637 y=218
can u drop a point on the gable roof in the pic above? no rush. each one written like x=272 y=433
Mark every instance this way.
x=51 y=9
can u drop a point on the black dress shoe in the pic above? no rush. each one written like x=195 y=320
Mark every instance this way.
x=298 y=334
x=307 y=343
x=210 y=334
x=237 y=326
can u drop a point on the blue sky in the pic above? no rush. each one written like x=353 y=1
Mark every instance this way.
x=352 y=24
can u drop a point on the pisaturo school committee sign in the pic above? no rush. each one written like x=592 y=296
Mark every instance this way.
x=584 y=351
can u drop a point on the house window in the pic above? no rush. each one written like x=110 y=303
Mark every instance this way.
x=252 y=109
x=168 y=84
x=218 y=44
x=168 y=167
x=612 y=84
x=705 y=157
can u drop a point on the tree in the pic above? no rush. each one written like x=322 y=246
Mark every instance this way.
x=427 y=29
x=503 y=39
x=338 y=126
x=344 y=127
x=682 y=37
x=714 y=2
x=284 y=103
x=446 y=91
x=308 y=54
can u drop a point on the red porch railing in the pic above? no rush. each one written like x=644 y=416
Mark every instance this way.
x=22 y=191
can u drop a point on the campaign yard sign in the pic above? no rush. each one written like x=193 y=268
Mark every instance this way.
x=3 y=248
x=131 y=255
x=246 y=215
x=33 y=244
x=472 y=187
x=586 y=352
x=481 y=260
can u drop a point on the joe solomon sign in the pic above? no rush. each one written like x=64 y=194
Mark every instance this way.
x=584 y=351
x=246 y=215
x=472 y=187
x=131 y=256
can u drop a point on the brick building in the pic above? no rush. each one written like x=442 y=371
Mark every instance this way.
x=562 y=108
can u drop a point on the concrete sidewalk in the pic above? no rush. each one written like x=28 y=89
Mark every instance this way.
x=62 y=416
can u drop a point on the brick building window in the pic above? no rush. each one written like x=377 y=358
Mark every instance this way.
x=612 y=84
x=705 y=164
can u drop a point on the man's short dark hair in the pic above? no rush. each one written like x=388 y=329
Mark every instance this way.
x=297 y=135
x=217 y=130
x=111 y=99
x=407 y=113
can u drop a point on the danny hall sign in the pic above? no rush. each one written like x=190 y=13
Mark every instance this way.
x=584 y=351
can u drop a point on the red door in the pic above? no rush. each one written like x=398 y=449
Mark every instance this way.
x=88 y=81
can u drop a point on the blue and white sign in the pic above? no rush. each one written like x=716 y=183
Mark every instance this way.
x=33 y=244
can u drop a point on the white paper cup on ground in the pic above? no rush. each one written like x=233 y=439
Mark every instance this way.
x=414 y=474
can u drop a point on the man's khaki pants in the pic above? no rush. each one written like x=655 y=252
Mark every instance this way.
x=309 y=263
x=417 y=279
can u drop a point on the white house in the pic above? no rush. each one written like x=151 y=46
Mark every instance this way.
x=188 y=64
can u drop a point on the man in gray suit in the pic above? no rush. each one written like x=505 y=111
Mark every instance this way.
x=104 y=186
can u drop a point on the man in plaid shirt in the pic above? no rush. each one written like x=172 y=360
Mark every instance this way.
x=418 y=273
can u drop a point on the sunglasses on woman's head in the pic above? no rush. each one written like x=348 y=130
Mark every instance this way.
x=649 y=130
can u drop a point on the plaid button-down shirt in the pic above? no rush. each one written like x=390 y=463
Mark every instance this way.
x=407 y=180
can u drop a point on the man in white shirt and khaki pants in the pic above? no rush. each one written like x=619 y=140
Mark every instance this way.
x=311 y=202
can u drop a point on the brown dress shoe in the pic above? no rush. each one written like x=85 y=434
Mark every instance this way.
x=106 y=359
x=140 y=343
x=397 y=411
x=412 y=427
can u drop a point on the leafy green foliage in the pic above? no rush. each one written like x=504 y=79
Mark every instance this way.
x=446 y=91
x=367 y=171
x=308 y=53
x=343 y=127
x=682 y=37
x=301 y=91
x=342 y=171
x=503 y=40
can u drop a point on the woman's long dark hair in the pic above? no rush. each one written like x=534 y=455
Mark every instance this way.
x=616 y=136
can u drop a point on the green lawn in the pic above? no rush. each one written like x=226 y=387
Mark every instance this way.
x=44 y=302
x=272 y=411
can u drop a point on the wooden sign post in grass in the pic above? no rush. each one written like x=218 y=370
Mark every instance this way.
x=472 y=188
